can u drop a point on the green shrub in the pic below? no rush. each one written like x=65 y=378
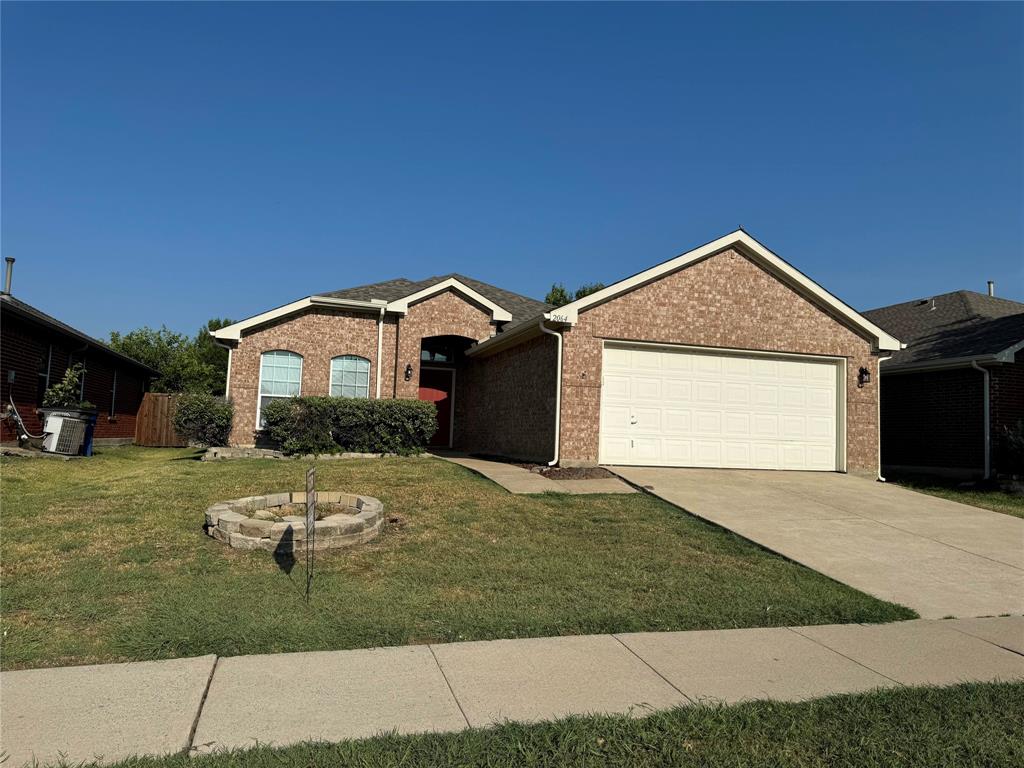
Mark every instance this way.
x=203 y=419
x=64 y=393
x=302 y=425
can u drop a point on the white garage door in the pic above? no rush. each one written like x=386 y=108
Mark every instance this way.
x=683 y=408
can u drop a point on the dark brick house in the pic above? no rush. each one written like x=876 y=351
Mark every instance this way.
x=35 y=351
x=724 y=356
x=948 y=399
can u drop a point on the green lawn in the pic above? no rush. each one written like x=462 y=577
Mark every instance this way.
x=104 y=559
x=963 y=726
x=986 y=498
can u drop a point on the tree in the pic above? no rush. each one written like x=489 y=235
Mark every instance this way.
x=185 y=364
x=588 y=288
x=213 y=355
x=558 y=296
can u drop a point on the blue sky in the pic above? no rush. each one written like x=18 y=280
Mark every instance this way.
x=163 y=164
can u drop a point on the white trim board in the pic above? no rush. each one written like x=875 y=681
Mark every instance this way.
x=751 y=248
x=399 y=306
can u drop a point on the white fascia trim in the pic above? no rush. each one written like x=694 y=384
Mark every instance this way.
x=508 y=338
x=570 y=312
x=498 y=314
x=234 y=332
x=1006 y=356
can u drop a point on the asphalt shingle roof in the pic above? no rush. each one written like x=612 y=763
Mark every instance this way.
x=519 y=306
x=952 y=325
x=9 y=303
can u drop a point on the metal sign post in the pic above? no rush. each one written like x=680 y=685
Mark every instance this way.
x=310 y=526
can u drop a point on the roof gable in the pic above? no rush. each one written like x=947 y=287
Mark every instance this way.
x=395 y=296
x=758 y=253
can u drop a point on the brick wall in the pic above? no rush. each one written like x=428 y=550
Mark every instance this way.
x=1007 y=409
x=933 y=419
x=321 y=334
x=318 y=336
x=505 y=403
x=25 y=348
x=444 y=314
x=723 y=301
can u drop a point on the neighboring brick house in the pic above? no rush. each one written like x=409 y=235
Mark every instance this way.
x=35 y=351
x=949 y=398
x=725 y=356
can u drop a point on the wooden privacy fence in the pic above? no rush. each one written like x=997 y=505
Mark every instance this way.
x=154 y=425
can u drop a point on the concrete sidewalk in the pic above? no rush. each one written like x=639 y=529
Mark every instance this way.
x=518 y=480
x=113 y=711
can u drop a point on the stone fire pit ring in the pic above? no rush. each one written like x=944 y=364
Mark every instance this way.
x=277 y=522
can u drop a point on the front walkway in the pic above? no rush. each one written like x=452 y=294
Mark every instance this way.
x=515 y=479
x=113 y=711
x=936 y=556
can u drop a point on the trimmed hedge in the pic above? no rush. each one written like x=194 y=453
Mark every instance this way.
x=302 y=425
x=203 y=419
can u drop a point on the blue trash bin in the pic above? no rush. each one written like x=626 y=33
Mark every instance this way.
x=90 y=427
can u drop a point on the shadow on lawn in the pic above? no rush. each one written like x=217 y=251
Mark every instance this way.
x=284 y=555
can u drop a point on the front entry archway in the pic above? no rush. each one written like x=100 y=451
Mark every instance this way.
x=437 y=385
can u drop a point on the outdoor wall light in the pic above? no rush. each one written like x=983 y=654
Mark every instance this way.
x=863 y=377
x=408 y=371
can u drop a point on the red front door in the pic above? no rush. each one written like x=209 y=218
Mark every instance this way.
x=436 y=386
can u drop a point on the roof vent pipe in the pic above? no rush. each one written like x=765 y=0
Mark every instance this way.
x=991 y=287
x=7 y=276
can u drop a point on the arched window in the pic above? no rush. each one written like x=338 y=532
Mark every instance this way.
x=280 y=376
x=350 y=376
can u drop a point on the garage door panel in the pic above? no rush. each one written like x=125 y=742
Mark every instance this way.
x=735 y=393
x=616 y=387
x=765 y=455
x=678 y=390
x=646 y=448
x=821 y=399
x=736 y=424
x=678 y=451
x=764 y=395
x=615 y=419
x=646 y=388
x=615 y=449
x=707 y=422
x=646 y=360
x=820 y=428
x=676 y=422
x=616 y=357
x=708 y=391
x=764 y=425
x=668 y=407
x=646 y=420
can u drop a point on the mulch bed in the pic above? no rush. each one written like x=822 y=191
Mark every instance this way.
x=555 y=473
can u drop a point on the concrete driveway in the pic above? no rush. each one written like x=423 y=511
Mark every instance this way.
x=935 y=556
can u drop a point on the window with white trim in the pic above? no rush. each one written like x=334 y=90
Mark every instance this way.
x=350 y=376
x=280 y=376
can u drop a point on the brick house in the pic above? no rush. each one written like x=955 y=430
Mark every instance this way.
x=725 y=356
x=35 y=351
x=950 y=396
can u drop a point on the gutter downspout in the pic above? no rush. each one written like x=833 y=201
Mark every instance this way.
x=878 y=416
x=558 y=389
x=227 y=378
x=987 y=405
x=380 y=345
